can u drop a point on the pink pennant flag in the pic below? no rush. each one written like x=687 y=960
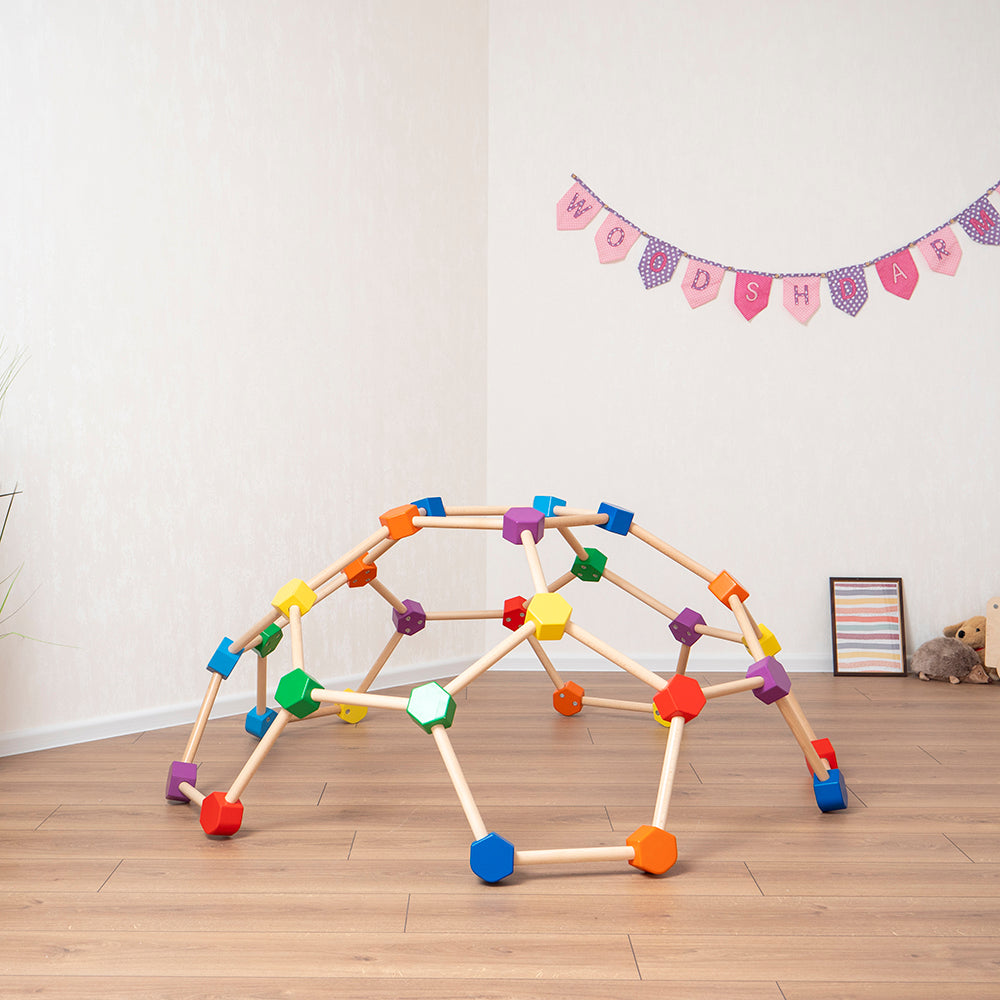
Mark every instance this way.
x=576 y=208
x=752 y=293
x=614 y=239
x=802 y=296
x=702 y=282
x=898 y=273
x=941 y=250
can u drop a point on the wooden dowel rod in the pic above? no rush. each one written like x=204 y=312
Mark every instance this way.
x=191 y=792
x=251 y=637
x=610 y=653
x=469 y=807
x=670 y=758
x=377 y=551
x=624 y=706
x=198 y=729
x=557 y=585
x=267 y=741
x=262 y=685
x=345 y=560
x=579 y=512
x=359 y=698
x=394 y=641
x=474 y=511
x=719 y=633
x=749 y=633
x=318 y=714
x=683 y=655
x=383 y=591
x=571 y=540
x=497 y=653
x=458 y=616
x=487 y=523
x=793 y=704
x=801 y=735
x=732 y=687
x=534 y=563
x=331 y=586
x=571 y=855
x=671 y=553
x=543 y=659
x=295 y=628
x=562 y=521
x=631 y=588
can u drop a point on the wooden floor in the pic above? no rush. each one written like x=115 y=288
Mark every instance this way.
x=350 y=875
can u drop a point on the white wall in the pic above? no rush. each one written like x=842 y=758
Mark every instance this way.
x=781 y=136
x=244 y=246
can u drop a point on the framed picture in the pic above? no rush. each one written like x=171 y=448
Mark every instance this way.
x=867 y=621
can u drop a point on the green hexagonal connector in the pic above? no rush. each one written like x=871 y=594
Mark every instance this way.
x=430 y=705
x=590 y=569
x=269 y=640
x=293 y=693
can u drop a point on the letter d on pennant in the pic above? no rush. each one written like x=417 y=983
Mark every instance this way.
x=848 y=288
x=702 y=282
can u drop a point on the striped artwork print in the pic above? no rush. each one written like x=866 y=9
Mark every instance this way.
x=868 y=635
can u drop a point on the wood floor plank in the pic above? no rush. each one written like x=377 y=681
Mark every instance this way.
x=83 y=875
x=279 y=955
x=767 y=957
x=192 y=911
x=634 y=913
x=891 y=878
x=179 y=987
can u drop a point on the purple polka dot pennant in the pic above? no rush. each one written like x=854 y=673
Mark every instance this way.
x=981 y=222
x=848 y=288
x=659 y=261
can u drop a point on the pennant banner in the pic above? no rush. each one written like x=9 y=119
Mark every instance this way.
x=847 y=286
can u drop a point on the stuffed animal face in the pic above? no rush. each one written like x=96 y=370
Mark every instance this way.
x=971 y=632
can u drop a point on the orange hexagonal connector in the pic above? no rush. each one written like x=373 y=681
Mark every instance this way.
x=568 y=700
x=724 y=587
x=359 y=572
x=399 y=521
x=655 y=849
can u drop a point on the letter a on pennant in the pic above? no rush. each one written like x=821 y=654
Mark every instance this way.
x=702 y=282
x=898 y=273
x=576 y=208
x=614 y=239
x=752 y=293
x=981 y=222
x=848 y=288
x=941 y=250
x=802 y=296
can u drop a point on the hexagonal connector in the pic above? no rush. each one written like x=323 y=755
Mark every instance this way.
x=430 y=705
x=550 y=613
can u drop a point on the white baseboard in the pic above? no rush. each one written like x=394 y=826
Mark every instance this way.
x=104 y=727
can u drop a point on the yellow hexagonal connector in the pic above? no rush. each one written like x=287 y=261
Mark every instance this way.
x=550 y=613
x=294 y=592
x=768 y=643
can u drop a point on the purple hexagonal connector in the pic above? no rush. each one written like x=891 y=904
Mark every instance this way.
x=776 y=680
x=683 y=625
x=412 y=621
x=519 y=519
x=180 y=771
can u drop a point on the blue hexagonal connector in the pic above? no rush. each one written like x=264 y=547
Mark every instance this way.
x=619 y=519
x=491 y=857
x=831 y=794
x=257 y=724
x=222 y=661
